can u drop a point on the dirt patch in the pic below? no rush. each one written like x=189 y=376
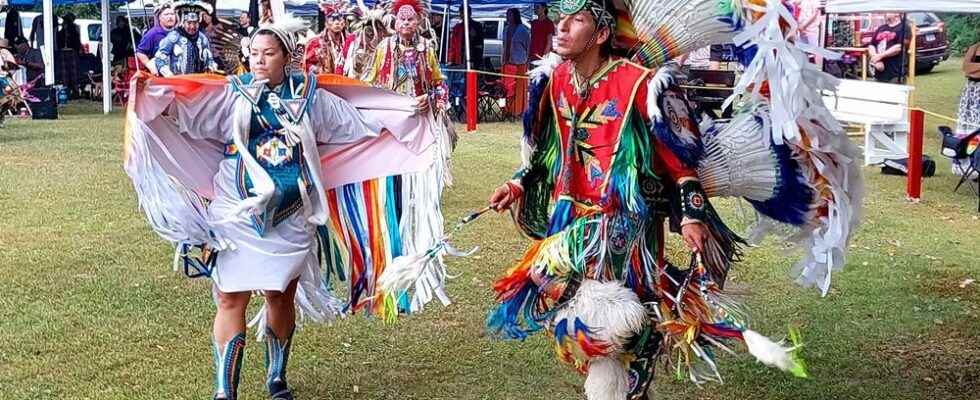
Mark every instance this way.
x=944 y=363
x=948 y=284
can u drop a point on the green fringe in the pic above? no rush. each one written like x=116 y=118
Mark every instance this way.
x=538 y=182
x=633 y=157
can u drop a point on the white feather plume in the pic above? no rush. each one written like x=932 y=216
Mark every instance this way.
x=662 y=79
x=287 y=27
x=607 y=379
x=768 y=352
x=545 y=66
x=738 y=159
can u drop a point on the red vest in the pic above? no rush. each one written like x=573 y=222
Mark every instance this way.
x=590 y=129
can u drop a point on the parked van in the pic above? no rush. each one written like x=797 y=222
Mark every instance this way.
x=91 y=32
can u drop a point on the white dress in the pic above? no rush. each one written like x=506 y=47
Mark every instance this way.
x=261 y=208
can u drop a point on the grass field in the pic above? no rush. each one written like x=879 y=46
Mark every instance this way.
x=89 y=308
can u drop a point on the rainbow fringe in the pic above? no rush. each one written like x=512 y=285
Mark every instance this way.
x=364 y=217
x=578 y=345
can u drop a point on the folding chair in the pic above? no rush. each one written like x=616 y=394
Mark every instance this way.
x=121 y=75
x=975 y=166
x=959 y=149
x=490 y=93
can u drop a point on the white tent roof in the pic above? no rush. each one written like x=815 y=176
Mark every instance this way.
x=859 y=6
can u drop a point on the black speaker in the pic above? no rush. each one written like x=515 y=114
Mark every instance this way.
x=47 y=106
x=900 y=166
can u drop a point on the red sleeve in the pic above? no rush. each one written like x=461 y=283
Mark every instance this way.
x=665 y=161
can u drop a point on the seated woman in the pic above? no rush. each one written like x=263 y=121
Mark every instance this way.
x=11 y=100
x=8 y=64
x=969 y=110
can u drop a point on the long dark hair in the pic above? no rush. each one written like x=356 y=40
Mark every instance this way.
x=513 y=16
x=282 y=46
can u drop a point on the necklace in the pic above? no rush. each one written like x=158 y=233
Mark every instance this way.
x=581 y=83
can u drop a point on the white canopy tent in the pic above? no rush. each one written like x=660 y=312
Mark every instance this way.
x=905 y=6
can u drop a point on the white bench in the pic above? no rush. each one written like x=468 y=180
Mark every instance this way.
x=881 y=109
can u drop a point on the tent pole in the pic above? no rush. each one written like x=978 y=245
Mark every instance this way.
x=48 y=10
x=132 y=37
x=442 y=33
x=904 y=52
x=466 y=32
x=912 y=54
x=470 y=74
x=106 y=88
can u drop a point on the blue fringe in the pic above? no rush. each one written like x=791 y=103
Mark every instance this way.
x=793 y=195
x=627 y=191
x=504 y=320
x=561 y=331
x=329 y=257
x=392 y=218
x=351 y=194
x=746 y=54
x=561 y=217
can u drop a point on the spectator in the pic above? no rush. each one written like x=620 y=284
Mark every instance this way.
x=265 y=12
x=122 y=38
x=435 y=30
x=542 y=31
x=210 y=29
x=30 y=58
x=886 y=50
x=12 y=28
x=185 y=50
x=37 y=31
x=206 y=25
x=968 y=117
x=514 y=60
x=244 y=24
x=457 y=54
x=69 y=38
x=166 y=18
x=810 y=19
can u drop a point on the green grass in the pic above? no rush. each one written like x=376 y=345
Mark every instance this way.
x=89 y=308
